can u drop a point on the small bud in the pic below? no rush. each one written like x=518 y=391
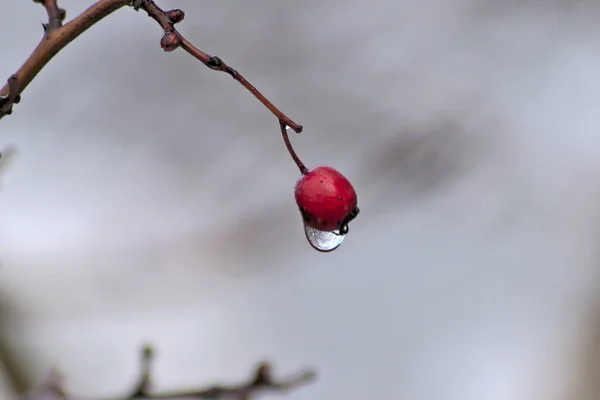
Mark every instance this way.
x=262 y=376
x=170 y=41
x=176 y=15
x=147 y=352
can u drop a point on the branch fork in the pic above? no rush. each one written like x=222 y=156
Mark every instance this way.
x=56 y=15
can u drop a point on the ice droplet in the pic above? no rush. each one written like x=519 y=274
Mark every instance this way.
x=323 y=240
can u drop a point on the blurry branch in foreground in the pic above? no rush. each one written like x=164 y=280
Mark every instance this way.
x=57 y=36
x=261 y=382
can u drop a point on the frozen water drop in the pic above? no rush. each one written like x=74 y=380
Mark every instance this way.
x=323 y=240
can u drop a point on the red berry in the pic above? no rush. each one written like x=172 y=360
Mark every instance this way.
x=326 y=199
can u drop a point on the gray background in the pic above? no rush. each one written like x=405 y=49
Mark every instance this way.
x=150 y=199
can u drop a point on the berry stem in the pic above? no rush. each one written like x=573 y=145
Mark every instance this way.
x=288 y=144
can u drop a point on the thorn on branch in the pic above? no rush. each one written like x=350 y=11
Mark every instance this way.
x=56 y=15
x=12 y=97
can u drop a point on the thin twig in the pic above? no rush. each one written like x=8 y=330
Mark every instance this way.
x=166 y=21
x=290 y=148
x=261 y=382
x=58 y=36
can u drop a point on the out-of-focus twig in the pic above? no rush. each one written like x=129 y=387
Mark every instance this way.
x=261 y=382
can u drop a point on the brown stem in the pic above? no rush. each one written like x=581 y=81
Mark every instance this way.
x=212 y=62
x=57 y=37
x=288 y=144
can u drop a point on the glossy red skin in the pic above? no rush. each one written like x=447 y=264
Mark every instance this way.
x=325 y=198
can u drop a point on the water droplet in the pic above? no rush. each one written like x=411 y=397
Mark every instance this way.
x=323 y=240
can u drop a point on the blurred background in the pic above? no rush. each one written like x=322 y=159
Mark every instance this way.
x=151 y=200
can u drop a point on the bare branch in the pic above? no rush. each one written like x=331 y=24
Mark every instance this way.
x=57 y=37
x=261 y=382
x=53 y=41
